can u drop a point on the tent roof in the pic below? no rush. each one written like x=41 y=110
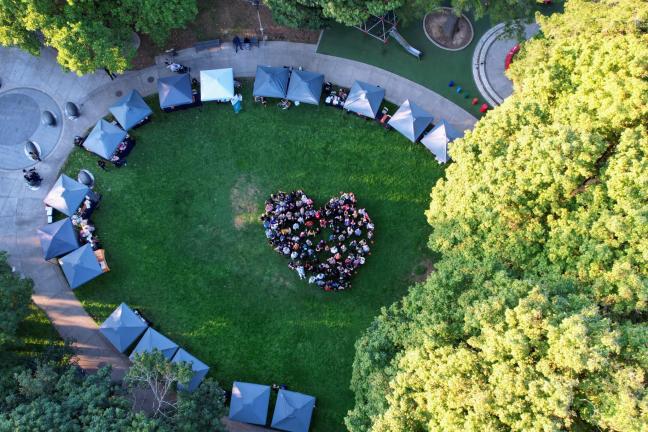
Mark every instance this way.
x=293 y=411
x=66 y=195
x=305 y=86
x=175 y=90
x=271 y=81
x=58 y=238
x=80 y=266
x=437 y=140
x=410 y=120
x=364 y=99
x=154 y=340
x=130 y=110
x=199 y=368
x=123 y=327
x=104 y=139
x=216 y=84
x=249 y=403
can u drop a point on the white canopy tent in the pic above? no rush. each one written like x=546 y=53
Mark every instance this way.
x=217 y=85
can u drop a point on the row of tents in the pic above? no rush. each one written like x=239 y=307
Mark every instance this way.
x=123 y=328
x=59 y=239
x=250 y=402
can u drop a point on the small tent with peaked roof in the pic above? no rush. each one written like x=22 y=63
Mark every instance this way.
x=58 y=238
x=217 y=84
x=437 y=140
x=305 y=87
x=364 y=99
x=80 y=266
x=175 y=90
x=410 y=120
x=199 y=368
x=123 y=327
x=130 y=110
x=104 y=139
x=249 y=403
x=271 y=82
x=66 y=195
x=154 y=340
x=293 y=411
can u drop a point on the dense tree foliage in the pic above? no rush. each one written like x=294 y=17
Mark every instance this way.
x=15 y=296
x=536 y=316
x=90 y=34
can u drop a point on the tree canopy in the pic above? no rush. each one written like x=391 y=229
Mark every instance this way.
x=90 y=34
x=535 y=318
x=15 y=296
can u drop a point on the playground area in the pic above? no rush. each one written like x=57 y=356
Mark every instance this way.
x=436 y=68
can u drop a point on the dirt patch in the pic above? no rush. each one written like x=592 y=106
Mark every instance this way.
x=422 y=270
x=222 y=19
x=447 y=30
x=245 y=199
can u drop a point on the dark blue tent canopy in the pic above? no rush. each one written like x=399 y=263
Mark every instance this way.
x=175 y=90
x=199 y=368
x=154 y=340
x=123 y=327
x=66 y=195
x=80 y=266
x=271 y=82
x=305 y=87
x=249 y=403
x=293 y=411
x=58 y=238
x=130 y=110
x=410 y=120
x=364 y=99
x=437 y=140
x=104 y=139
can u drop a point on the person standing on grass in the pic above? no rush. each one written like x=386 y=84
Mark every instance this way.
x=101 y=164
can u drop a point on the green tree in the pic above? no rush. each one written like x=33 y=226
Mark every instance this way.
x=158 y=19
x=314 y=13
x=47 y=399
x=202 y=409
x=536 y=316
x=15 y=296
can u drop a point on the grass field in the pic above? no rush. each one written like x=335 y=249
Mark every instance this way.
x=181 y=233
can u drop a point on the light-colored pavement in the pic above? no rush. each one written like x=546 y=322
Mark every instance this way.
x=22 y=210
x=488 y=62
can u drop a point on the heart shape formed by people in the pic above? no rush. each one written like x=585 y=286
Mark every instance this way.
x=325 y=245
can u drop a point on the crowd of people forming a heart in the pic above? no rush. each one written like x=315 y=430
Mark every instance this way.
x=292 y=224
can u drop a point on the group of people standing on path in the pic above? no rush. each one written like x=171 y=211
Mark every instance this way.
x=292 y=223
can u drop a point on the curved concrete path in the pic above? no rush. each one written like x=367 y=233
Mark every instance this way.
x=22 y=210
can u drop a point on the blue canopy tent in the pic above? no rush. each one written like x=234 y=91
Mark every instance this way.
x=293 y=411
x=66 y=195
x=130 y=110
x=437 y=140
x=199 y=368
x=154 y=340
x=123 y=327
x=249 y=403
x=58 y=238
x=410 y=120
x=305 y=87
x=104 y=139
x=271 y=82
x=364 y=99
x=80 y=266
x=175 y=90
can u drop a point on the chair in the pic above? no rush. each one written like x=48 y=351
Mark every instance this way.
x=101 y=257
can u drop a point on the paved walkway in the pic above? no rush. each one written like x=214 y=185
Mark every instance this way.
x=488 y=63
x=22 y=210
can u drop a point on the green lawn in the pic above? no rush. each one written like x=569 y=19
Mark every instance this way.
x=181 y=233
